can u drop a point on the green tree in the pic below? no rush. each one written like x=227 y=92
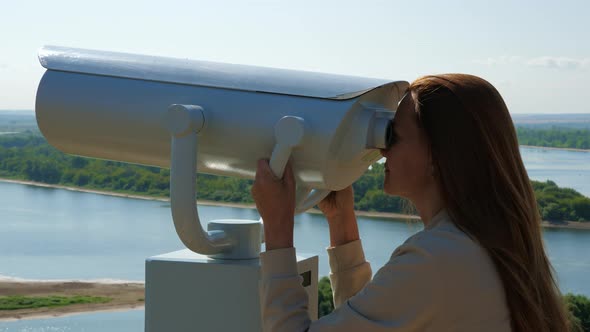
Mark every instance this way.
x=554 y=212
x=325 y=299
x=554 y=137
x=581 y=207
x=579 y=309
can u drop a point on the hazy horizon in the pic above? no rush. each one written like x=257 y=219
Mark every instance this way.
x=515 y=114
x=585 y=116
x=533 y=52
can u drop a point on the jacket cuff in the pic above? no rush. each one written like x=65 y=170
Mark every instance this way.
x=278 y=263
x=346 y=256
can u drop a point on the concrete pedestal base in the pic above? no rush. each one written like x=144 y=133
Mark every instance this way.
x=186 y=291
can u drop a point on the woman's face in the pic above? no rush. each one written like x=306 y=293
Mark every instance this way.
x=408 y=170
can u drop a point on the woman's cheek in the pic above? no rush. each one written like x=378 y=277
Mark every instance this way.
x=393 y=179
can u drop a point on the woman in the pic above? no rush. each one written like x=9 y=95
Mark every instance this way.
x=479 y=263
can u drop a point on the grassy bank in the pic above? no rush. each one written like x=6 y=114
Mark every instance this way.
x=31 y=302
x=35 y=299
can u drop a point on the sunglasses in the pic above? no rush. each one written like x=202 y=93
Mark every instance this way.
x=390 y=135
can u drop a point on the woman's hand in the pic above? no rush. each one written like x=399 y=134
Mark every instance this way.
x=338 y=207
x=337 y=204
x=275 y=201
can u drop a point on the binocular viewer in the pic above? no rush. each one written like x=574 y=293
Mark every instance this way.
x=197 y=116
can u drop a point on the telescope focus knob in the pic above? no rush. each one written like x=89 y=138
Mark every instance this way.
x=289 y=132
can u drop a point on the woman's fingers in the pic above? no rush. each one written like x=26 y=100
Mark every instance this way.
x=275 y=201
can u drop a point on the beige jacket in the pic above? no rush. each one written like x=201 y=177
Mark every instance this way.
x=438 y=280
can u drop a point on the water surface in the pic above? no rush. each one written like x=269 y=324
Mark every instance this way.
x=50 y=233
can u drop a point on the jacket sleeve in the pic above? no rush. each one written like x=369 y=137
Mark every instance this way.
x=402 y=296
x=349 y=271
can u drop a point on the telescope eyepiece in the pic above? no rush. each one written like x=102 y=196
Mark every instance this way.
x=390 y=136
x=381 y=134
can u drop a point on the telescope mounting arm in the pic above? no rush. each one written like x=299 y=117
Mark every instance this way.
x=184 y=122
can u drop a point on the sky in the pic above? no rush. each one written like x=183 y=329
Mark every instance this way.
x=536 y=53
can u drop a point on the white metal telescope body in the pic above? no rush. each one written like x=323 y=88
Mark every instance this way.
x=125 y=107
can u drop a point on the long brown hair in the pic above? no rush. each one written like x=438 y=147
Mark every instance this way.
x=487 y=191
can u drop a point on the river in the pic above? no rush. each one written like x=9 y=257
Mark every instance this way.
x=50 y=233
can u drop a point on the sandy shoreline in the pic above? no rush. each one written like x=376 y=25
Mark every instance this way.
x=125 y=296
x=387 y=215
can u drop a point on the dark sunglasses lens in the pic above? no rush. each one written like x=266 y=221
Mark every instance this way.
x=389 y=135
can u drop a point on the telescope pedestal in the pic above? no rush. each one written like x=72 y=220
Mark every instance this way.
x=186 y=291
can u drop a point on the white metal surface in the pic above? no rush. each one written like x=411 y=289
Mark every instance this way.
x=289 y=133
x=246 y=236
x=116 y=106
x=206 y=73
x=191 y=292
x=224 y=239
x=124 y=119
x=184 y=122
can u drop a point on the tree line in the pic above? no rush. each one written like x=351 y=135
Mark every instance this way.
x=554 y=137
x=30 y=157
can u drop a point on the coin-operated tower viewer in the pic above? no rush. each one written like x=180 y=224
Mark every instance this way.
x=196 y=116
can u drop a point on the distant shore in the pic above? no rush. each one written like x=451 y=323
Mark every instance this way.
x=555 y=148
x=371 y=214
x=124 y=296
